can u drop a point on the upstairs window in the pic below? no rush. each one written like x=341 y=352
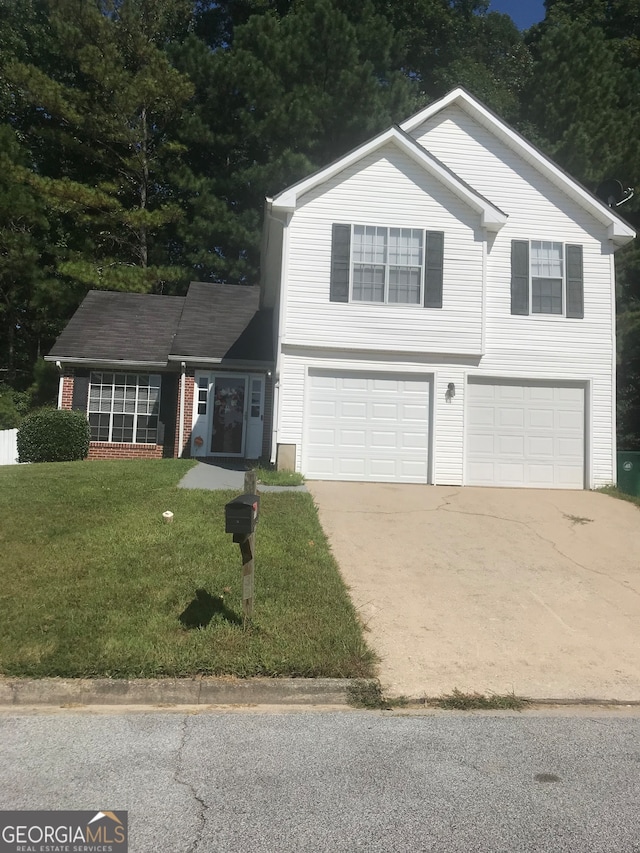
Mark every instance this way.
x=123 y=407
x=387 y=264
x=546 y=278
x=399 y=266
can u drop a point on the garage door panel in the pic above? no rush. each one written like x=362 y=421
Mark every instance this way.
x=570 y=477
x=415 y=441
x=380 y=429
x=508 y=416
x=525 y=434
x=323 y=437
x=321 y=464
x=510 y=445
x=385 y=411
x=510 y=473
x=542 y=393
x=509 y=393
x=570 y=420
x=383 y=440
x=350 y=409
x=420 y=414
x=571 y=447
x=482 y=415
x=541 y=419
x=541 y=476
x=326 y=382
x=539 y=446
x=324 y=409
x=351 y=438
x=353 y=383
x=352 y=465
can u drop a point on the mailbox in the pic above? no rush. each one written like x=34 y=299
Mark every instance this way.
x=241 y=514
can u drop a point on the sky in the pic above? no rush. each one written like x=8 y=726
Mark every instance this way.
x=524 y=12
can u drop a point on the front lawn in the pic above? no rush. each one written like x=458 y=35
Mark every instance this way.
x=94 y=583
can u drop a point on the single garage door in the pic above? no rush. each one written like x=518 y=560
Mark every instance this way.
x=367 y=426
x=525 y=434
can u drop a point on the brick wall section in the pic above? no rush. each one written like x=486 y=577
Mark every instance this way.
x=102 y=450
x=67 y=389
x=189 y=392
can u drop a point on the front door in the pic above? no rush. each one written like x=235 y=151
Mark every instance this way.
x=227 y=433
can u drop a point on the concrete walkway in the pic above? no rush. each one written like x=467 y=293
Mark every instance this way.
x=492 y=590
x=230 y=476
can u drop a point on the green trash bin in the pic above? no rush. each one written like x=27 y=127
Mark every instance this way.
x=629 y=472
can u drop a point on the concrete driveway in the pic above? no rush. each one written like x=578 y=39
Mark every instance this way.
x=492 y=590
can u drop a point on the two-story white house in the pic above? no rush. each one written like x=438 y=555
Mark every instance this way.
x=437 y=306
x=444 y=311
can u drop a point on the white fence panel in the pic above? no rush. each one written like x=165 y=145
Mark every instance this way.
x=9 y=447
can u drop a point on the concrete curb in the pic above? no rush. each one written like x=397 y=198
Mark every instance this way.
x=174 y=691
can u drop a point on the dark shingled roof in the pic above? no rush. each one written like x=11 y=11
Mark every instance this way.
x=120 y=327
x=213 y=321
x=223 y=321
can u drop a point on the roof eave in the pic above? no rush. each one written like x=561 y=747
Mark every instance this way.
x=225 y=362
x=492 y=218
x=105 y=362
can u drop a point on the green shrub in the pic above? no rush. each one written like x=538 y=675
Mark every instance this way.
x=44 y=389
x=13 y=406
x=53 y=435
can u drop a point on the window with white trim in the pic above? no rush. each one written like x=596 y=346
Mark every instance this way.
x=387 y=264
x=547 y=277
x=124 y=407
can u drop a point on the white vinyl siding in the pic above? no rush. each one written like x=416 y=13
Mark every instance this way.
x=387 y=190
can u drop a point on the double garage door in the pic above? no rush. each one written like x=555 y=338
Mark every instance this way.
x=375 y=427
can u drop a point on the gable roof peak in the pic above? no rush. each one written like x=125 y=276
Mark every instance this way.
x=492 y=217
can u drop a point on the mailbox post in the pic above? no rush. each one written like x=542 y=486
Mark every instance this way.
x=241 y=516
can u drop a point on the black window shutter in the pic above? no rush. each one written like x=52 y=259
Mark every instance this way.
x=575 y=282
x=340 y=255
x=168 y=412
x=519 y=276
x=433 y=269
x=80 y=390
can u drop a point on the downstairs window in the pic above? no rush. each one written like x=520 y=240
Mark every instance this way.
x=123 y=407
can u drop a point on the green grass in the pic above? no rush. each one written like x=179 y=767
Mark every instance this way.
x=613 y=492
x=94 y=583
x=270 y=477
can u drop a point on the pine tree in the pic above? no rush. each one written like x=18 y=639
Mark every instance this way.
x=295 y=88
x=97 y=112
x=584 y=103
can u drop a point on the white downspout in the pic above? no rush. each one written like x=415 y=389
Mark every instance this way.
x=183 y=378
x=60 y=383
x=282 y=317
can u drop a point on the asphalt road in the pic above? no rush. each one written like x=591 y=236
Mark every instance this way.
x=343 y=781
